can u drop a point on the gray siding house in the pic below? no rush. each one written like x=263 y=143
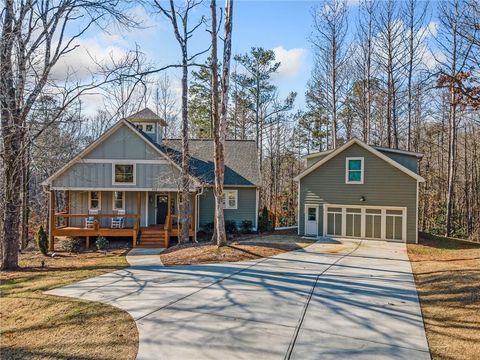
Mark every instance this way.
x=360 y=191
x=126 y=183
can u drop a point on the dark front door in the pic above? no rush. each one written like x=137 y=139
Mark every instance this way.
x=162 y=208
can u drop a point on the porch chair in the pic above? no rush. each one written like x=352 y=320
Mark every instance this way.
x=90 y=221
x=118 y=222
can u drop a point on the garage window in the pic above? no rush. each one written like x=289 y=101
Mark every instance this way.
x=354 y=170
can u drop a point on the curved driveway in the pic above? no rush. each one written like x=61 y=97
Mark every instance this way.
x=359 y=303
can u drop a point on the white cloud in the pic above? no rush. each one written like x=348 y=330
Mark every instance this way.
x=432 y=28
x=291 y=61
x=80 y=62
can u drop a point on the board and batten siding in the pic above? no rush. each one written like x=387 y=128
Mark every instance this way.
x=79 y=205
x=246 y=209
x=384 y=185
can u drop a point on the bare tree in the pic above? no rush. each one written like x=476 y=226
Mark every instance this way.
x=166 y=104
x=179 y=19
x=34 y=37
x=330 y=47
x=219 y=113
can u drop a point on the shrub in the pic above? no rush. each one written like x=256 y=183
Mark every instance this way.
x=246 y=227
x=72 y=244
x=101 y=243
x=264 y=223
x=42 y=240
x=208 y=228
x=231 y=227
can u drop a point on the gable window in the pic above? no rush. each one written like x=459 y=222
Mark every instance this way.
x=148 y=128
x=124 y=174
x=354 y=170
x=118 y=200
x=94 y=200
x=230 y=199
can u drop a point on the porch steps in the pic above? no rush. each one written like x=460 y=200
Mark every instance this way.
x=151 y=237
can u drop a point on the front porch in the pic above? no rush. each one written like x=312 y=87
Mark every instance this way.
x=150 y=218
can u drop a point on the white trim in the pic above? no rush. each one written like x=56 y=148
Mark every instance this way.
x=416 y=217
x=257 y=199
x=99 y=200
x=305 y=210
x=366 y=147
x=226 y=205
x=146 y=208
x=317 y=154
x=298 y=209
x=347 y=169
x=113 y=200
x=379 y=148
x=109 y=161
x=126 y=162
x=114 y=189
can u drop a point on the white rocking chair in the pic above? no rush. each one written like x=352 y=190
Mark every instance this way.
x=90 y=221
x=119 y=221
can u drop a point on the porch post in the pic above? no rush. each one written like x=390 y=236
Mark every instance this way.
x=194 y=225
x=67 y=206
x=51 y=242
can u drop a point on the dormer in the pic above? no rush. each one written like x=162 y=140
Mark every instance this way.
x=149 y=123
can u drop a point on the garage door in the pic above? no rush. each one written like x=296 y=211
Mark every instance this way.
x=367 y=222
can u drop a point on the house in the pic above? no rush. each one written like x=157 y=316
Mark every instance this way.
x=360 y=191
x=126 y=183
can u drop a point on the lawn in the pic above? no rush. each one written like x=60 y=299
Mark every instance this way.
x=447 y=275
x=39 y=326
x=253 y=248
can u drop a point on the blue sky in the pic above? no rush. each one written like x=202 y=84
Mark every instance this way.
x=280 y=25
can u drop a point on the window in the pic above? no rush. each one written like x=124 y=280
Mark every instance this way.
x=118 y=200
x=354 y=170
x=312 y=214
x=148 y=128
x=230 y=199
x=94 y=202
x=124 y=174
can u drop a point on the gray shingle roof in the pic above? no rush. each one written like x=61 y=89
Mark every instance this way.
x=241 y=161
x=146 y=115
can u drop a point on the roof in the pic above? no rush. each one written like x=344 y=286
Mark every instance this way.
x=337 y=151
x=241 y=160
x=146 y=115
x=379 y=148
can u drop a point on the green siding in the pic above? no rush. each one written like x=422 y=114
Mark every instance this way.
x=246 y=209
x=384 y=185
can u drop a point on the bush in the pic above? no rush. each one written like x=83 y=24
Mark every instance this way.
x=42 y=240
x=72 y=244
x=231 y=227
x=264 y=223
x=208 y=228
x=246 y=227
x=101 y=243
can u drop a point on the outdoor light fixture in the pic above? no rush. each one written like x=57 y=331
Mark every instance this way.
x=362 y=199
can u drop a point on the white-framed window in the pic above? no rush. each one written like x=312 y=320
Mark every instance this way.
x=148 y=128
x=118 y=200
x=354 y=170
x=94 y=200
x=123 y=174
x=230 y=199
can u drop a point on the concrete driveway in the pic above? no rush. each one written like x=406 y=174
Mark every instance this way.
x=359 y=303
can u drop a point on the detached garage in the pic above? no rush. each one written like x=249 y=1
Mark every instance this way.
x=360 y=191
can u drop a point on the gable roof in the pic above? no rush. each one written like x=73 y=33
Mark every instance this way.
x=146 y=115
x=241 y=161
x=98 y=141
x=332 y=154
x=379 y=148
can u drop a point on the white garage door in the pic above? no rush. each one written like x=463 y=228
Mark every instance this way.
x=366 y=222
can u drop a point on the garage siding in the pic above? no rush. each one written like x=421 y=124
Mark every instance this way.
x=384 y=185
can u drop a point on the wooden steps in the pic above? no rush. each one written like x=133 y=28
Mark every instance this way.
x=151 y=237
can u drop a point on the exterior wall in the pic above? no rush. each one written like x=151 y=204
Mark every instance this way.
x=124 y=144
x=384 y=185
x=246 y=209
x=79 y=205
x=99 y=175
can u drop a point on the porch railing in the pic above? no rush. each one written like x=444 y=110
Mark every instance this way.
x=62 y=219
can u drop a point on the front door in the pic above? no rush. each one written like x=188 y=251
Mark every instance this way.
x=311 y=220
x=162 y=208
